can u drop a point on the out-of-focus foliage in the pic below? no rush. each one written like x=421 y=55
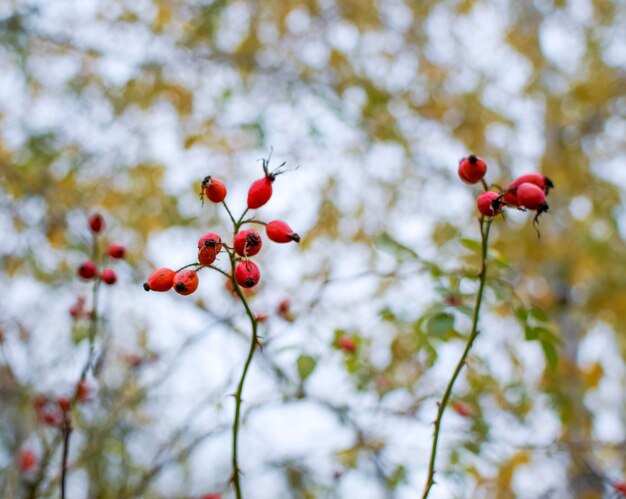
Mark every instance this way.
x=124 y=106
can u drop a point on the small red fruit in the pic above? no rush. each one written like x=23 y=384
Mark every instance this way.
x=347 y=344
x=284 y=310
x=82 y=391
x=620 y=488
x=116 y=251
x=77 y=311
x=461 y=408
x=27 y=460
x=247 y=242
x=211 y=496
x=279 y=232
x=186 y=282
x=247 y=274
x=472 y=169
x=108 y=276
x=64 y=404
x=160 y=280
x=531 y=197
x=260 y=192
x=261 y=317
x=541 y=181
x=96 y=223
x=214 y=189
x=488 y=204
x=209 y=246
x=87 y=270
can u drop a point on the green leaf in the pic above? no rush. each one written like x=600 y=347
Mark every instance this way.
x=471 y=244
x=440 y=324
x=552 y=357
x=531 y=333
x=545 y=334
x=538 y=313
x=385 y=240
x=306 y=365
x=522 y=315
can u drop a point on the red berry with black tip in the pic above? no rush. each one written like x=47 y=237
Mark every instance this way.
x=116 y=251
x=160 y=280
x=109 y=276
x=209 y=246
x=247 y=242
x=472 y=169
x=279 y=232
x=96 y=223
x=87 y=270
x=247 y=274
x=186 y=282
x=489 y=204
x=214 y=189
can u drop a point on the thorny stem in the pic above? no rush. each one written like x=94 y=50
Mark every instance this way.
x=238 y=393
x=485 y=225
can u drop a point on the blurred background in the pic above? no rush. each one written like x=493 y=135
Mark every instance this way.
x=122 y=108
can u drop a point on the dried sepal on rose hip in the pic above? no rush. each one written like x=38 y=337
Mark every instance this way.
x=247 y=274
x=209 y=246
x=213 y=189
x=260 y=191
x=280 y=232
x=472 y=169
x=247 y=242
x=186 y=282
x=489 y=204
x=160 y=280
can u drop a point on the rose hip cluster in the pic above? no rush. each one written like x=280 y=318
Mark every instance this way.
x=246 y=243
x=527 y=192
x=89 y=269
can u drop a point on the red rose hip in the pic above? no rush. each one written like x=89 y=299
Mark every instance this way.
x=209 y=246
x=472 y=169
x=109 y=276
x=531 y=197
x=247 y=242
x=260 y=192
x=87 y=270
x=214 y=189
x=247 y=274
x=488 y=204
x=186 y=282
x=279 y=232
x=27 y=460
x=96 y=223
x=116 y=251
x=160 y=280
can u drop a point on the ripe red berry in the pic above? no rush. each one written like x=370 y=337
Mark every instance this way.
x=186 y=282
x=77 y=311
x=160 y=280
x=531 y=197
x=621 y=488
x=461 y=408
x=82 y=391
x=27 y=460
x=108 y=276
x=261 y=317
x=211 y=496
x=472 y=169
x=116 y=251
x=214 y=189
x=488 y=204
x=96 y=223
x=347 y=344
x=64 y=404
x=541 y=181
x=209 y=246
x=247 y=274
x=87 y=270
x=260 y=192
x=247 y=242
x=279 y=232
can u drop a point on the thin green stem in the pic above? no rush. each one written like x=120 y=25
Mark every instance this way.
x=240 y=221
x=485 y=185
x=485 y=226
x=238 y=393
x=252 y=221
x=230 y=214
